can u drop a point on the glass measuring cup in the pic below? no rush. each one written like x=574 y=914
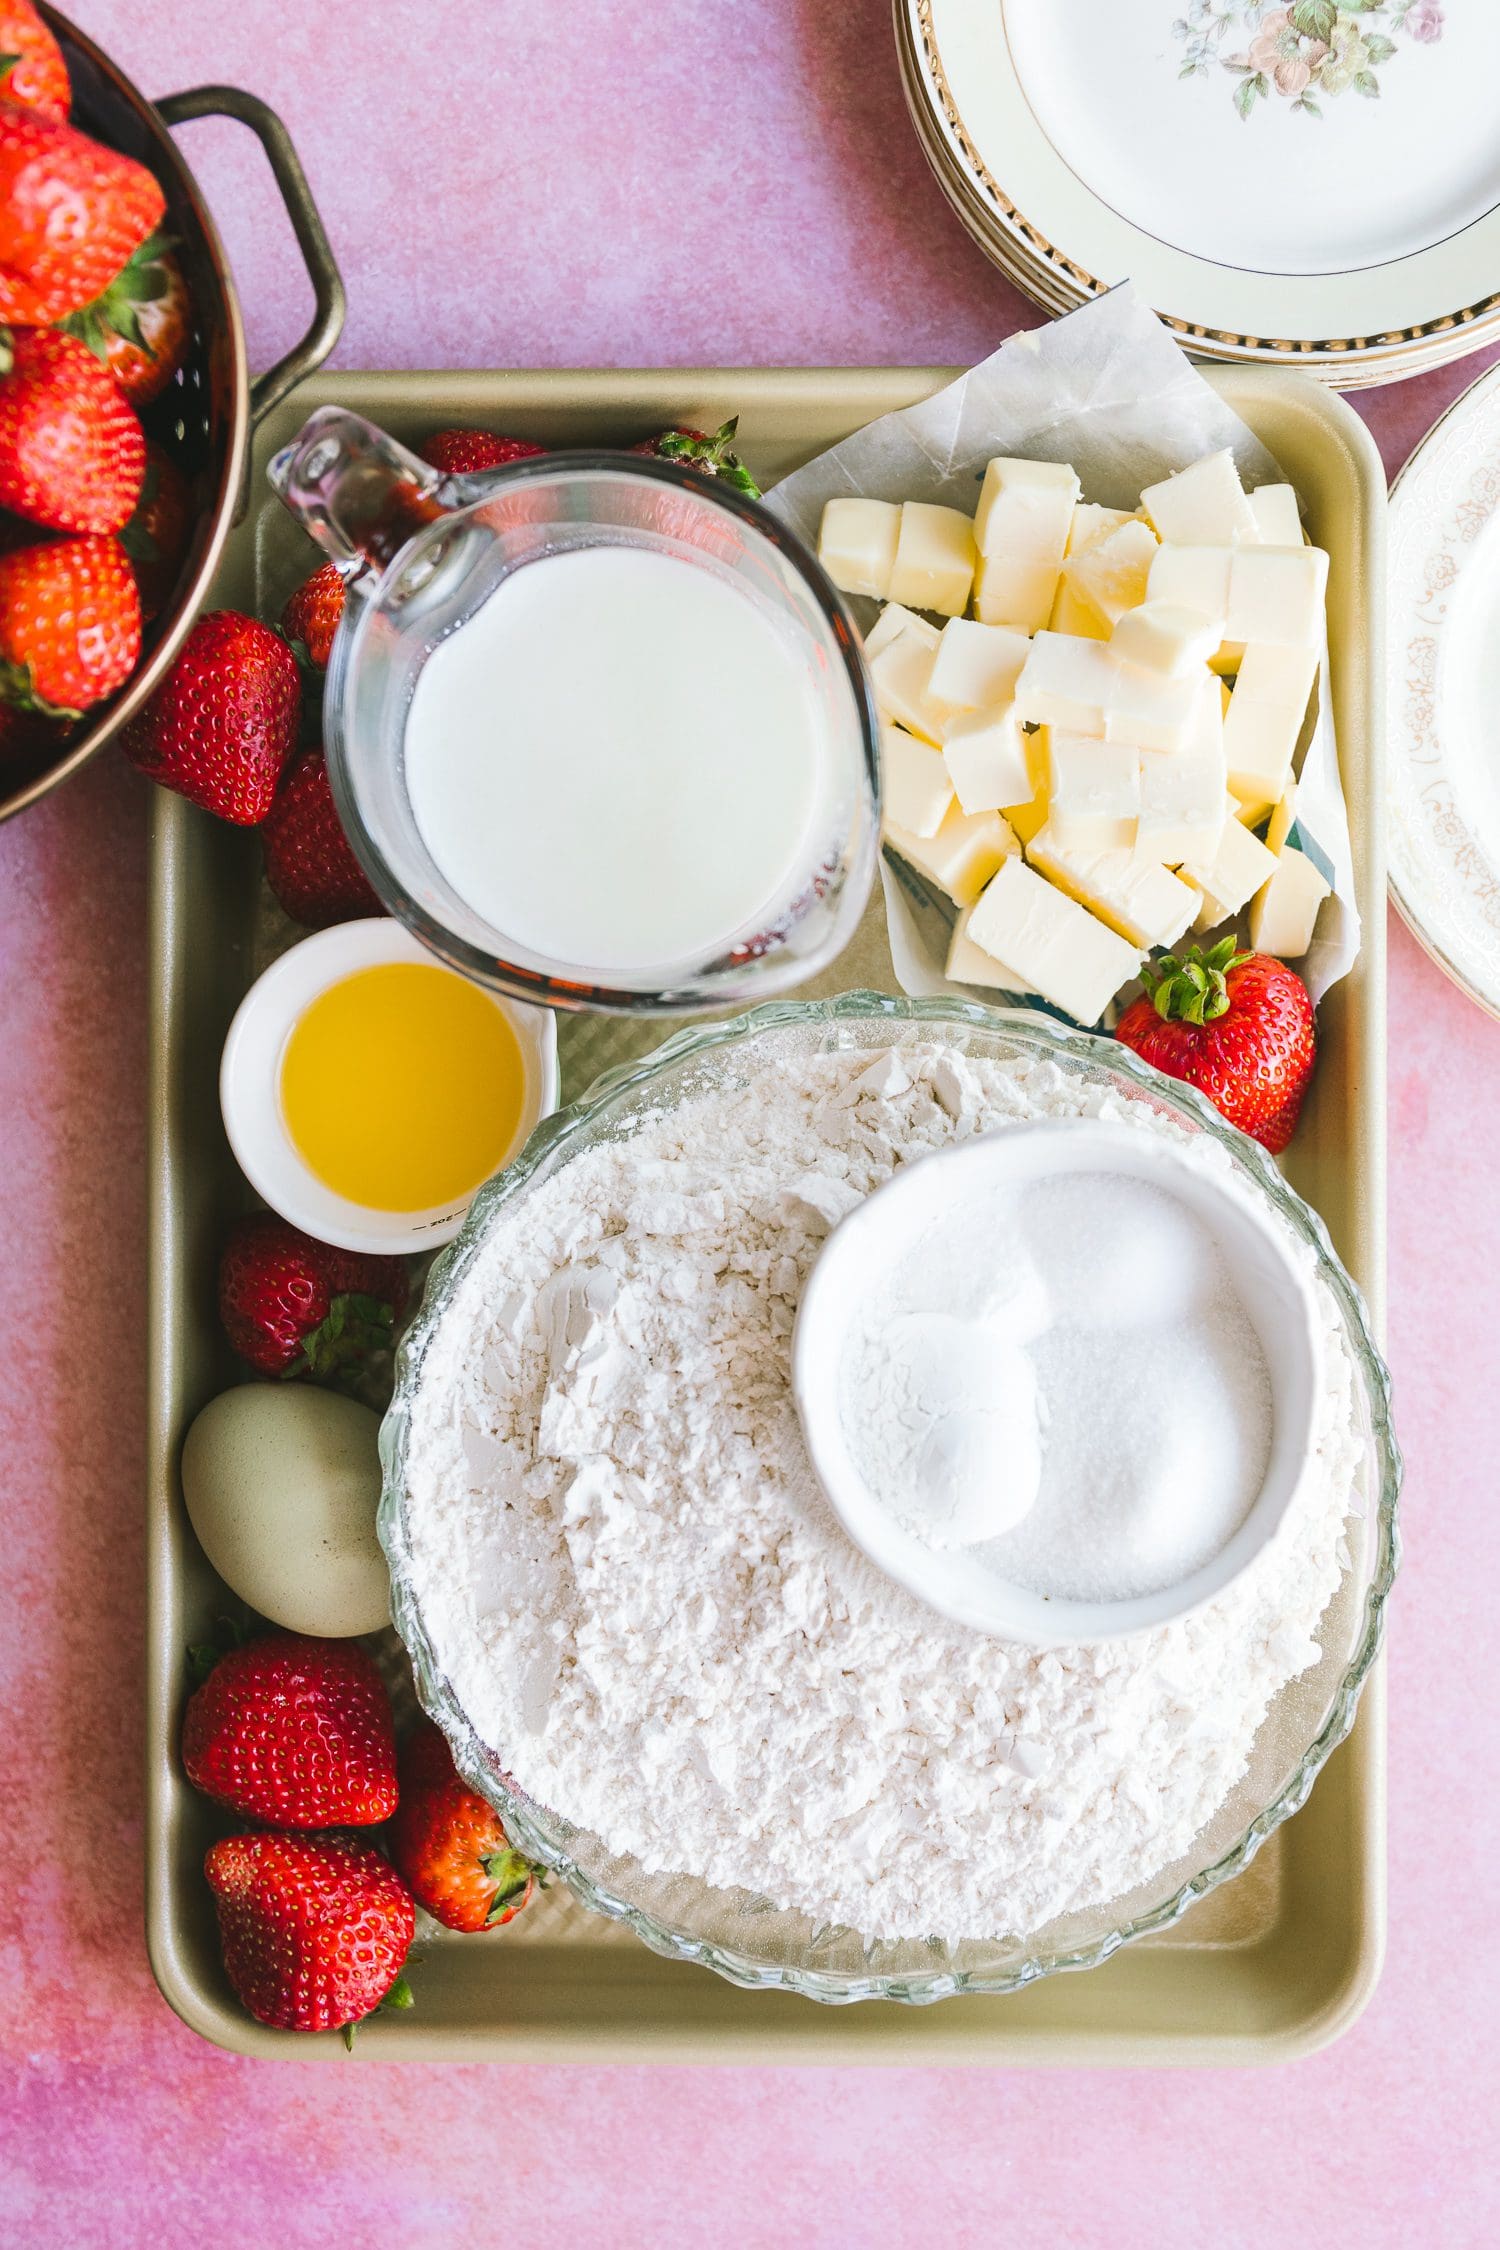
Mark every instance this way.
x=424 y=552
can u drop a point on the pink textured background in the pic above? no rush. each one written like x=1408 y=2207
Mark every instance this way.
x=593 y=182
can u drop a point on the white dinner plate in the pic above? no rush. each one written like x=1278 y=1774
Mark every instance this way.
x=1311 y=179
x=1444 y=692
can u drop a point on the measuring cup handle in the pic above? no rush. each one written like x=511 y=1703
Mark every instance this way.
x=360 y=494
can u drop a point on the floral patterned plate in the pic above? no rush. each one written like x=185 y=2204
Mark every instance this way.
x=1444 y=690
x=1318 y=179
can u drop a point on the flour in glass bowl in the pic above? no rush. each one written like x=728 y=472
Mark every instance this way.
x=630 y=1577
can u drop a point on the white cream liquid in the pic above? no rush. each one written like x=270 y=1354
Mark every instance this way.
x=614 y=761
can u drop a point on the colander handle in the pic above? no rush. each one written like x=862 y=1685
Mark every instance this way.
x=307 y=225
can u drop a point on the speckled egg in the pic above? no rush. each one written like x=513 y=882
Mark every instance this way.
x=281 y=1483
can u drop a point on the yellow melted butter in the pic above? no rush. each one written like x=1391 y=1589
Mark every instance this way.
x=402 y=1087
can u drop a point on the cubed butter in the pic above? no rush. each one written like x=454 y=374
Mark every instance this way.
x=1234 y=871
x=857 y=545
x=934 y=565
x=1112 y=576
x=1195 y=578
x=1091 y=524
x=1203 y=505
x=1259 y=742
x=1056 y=945
x=1066 y=683
x=1182 y=798
x=900 y=673
x=962 y=856
x=1283 y=819
x=1150 y=709
x=1015 y=590
x=976 y=666
x=1278 y=520
x=1270 y=673
x=915 y=791
x=986 y=760
x=968 y=963
x=1026 y=508
x=1164 y=637
x=1284 y=911
x=1276 y=594
x=892 y=623
x=1070 y=615
x=1093 y=792
x=1145 y=904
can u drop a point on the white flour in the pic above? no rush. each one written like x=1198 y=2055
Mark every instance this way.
x=642 y=1601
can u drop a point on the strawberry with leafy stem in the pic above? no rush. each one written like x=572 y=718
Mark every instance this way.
x=314 y=1929
x=467 y=453
x=72 y=212
x=72 y=453
x=449 y=1846
x=313 y=613
x=310 y=863
x=292 y=1731
x=32 y=71
x=222 y=726
x=710 y=455
x=295 y=1307
x=140 y=324
x=1237 y=1026
x=70 y=625
x=156 y=537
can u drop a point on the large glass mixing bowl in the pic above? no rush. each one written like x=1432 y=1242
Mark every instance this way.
x=744 y=1937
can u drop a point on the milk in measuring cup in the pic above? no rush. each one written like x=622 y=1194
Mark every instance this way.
x=614 y=760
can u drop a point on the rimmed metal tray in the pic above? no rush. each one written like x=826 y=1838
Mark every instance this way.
x=1273 y=1965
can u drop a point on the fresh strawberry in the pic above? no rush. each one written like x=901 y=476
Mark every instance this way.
x=156 y=537
x=71 y=213
x=223 y=723
x=295 y=1732
x=72 y=454
x=312 y=613
x=310 y=864
x=141 y=324
x=464 y=453
x=448 y=1845
x=70 y=624
x=711 y=456
x=1238 y=1026
x=32 y=70
x=293 y=1306
x=314 y=1929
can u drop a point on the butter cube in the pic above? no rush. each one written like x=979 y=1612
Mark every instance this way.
x=1014 y=590
x=1093 y=793
x=1066 y=683
x=1276 y=594
x=900 y=673
x=1182 y=798
x=1282 y=820
x=934 y=565
x=1278 y=519
x=1026 y=508
x=1070 y=615
x=1148 y=905
x=1195 y=578
x=1150 y=709
x=962 y=856
x=1091 y=524
x=1112 y=576
x=1163 y=637
x=985 y=755
x=1264 y=721
x=1277 y=674
x=1056 y=945
x=1284 y=911
x=1233 y=872
x=915 y=791
x=976 y=666
x=968 y=963
x=892 y=623
x=1201 y=506
x=857 y=544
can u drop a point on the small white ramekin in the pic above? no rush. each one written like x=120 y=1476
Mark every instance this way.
x=250 y=1082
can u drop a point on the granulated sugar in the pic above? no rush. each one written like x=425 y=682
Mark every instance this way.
x=642 y=1601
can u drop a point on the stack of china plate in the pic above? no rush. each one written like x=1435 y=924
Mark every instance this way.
x=1314 y=182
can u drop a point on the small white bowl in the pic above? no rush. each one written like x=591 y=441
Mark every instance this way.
x=1275 y=1286
x=250 y=1080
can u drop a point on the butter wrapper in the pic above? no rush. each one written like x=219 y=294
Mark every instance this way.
x=1109 y=390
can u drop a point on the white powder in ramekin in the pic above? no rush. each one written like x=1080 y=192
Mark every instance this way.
x=632 y=1581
